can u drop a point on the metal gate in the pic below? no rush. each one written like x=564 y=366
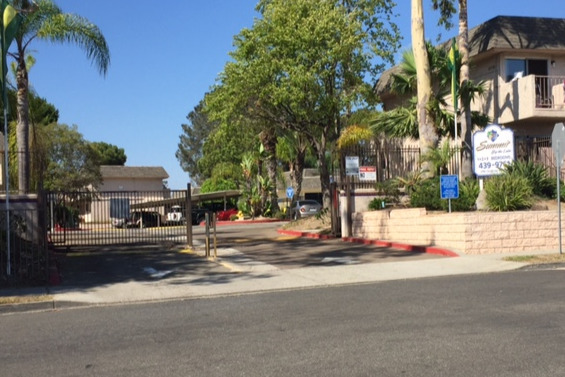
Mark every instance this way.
x=117 y=218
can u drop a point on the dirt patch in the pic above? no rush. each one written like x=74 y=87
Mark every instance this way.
x=10 y=300
x=538 y=259
x=318 y=223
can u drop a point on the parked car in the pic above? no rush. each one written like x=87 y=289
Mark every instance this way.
x=304 y=208
x=144 y=219
x=198 y=215
x=176 y=216
x=119 y=223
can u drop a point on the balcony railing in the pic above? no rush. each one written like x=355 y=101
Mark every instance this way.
x=549 y=92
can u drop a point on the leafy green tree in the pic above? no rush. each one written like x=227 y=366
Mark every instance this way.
x=303 y=73
x=109 y=154
x=44 y=20
x=192 y=139
x=72 y=162
x=225 y=145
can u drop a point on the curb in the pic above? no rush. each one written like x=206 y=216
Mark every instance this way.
x=406 y=247
x=244 y=222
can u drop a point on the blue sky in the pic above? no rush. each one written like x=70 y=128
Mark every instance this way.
x=165 y=58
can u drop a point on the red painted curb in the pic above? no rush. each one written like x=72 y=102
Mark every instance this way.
x=242 y=222
x=305 y=234
x=406 y=247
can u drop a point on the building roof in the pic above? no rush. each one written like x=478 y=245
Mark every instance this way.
x=502 y=33
x=139 y=172
x=517 y=33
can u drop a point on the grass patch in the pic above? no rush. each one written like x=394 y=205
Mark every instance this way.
x=537 y=259
x=10 y=300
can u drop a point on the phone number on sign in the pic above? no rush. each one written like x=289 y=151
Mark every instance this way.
x=489 y=165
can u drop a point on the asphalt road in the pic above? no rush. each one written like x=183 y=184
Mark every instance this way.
x=504 y=324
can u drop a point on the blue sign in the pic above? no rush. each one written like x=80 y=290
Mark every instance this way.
x=289 y=192
x=449 y=186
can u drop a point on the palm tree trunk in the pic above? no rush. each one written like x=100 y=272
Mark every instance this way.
x=269 y=141
x=297 y=171
x=466 y=124
x=319 y=145
x=22 y=128
x=428 y=136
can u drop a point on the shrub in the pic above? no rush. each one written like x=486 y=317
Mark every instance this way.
x=410 y=181
x=536 y=174
x=427 y=195
x=509 y=192
x=387 y=192
x=376 y=204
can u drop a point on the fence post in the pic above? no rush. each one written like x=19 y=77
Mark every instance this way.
x=188 y=215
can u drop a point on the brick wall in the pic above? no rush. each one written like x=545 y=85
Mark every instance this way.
x=467 y=232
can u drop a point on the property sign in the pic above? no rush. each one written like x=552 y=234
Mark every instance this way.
x=367 y=173
x=493 y=148
x=449 y=186
x=351 y=165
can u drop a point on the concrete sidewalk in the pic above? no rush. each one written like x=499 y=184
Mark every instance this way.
x=246 y=275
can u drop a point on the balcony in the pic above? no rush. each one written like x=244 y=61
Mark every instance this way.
x=532 y=97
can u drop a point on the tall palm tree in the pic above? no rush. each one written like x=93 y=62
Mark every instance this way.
x=428 y=137
x=466 y=125
x=44 y=20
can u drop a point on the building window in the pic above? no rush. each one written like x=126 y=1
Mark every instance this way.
x=516 y=68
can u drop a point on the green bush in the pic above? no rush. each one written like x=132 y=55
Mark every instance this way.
x=427 y=195
x=376 y=204
x=536 y=174
x=509 y=192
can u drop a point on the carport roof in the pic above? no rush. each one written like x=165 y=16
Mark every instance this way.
x=195 y=198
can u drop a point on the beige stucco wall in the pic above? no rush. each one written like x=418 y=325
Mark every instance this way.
x=465 y=232
x=131 y=184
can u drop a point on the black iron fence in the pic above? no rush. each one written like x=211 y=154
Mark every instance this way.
x=121 y=217
x=393 y=160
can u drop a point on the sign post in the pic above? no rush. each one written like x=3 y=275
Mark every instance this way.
x=558 y=146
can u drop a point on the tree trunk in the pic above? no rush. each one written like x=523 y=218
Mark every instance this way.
x=428 y=136
x=297 y=172
x=466 y=123
x=320 y=150
x=269 y=141
x=22 y=129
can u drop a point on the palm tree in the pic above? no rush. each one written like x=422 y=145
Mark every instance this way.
x=44 y=20
x=428 y=137
x=402 y=121
x=466 y=124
